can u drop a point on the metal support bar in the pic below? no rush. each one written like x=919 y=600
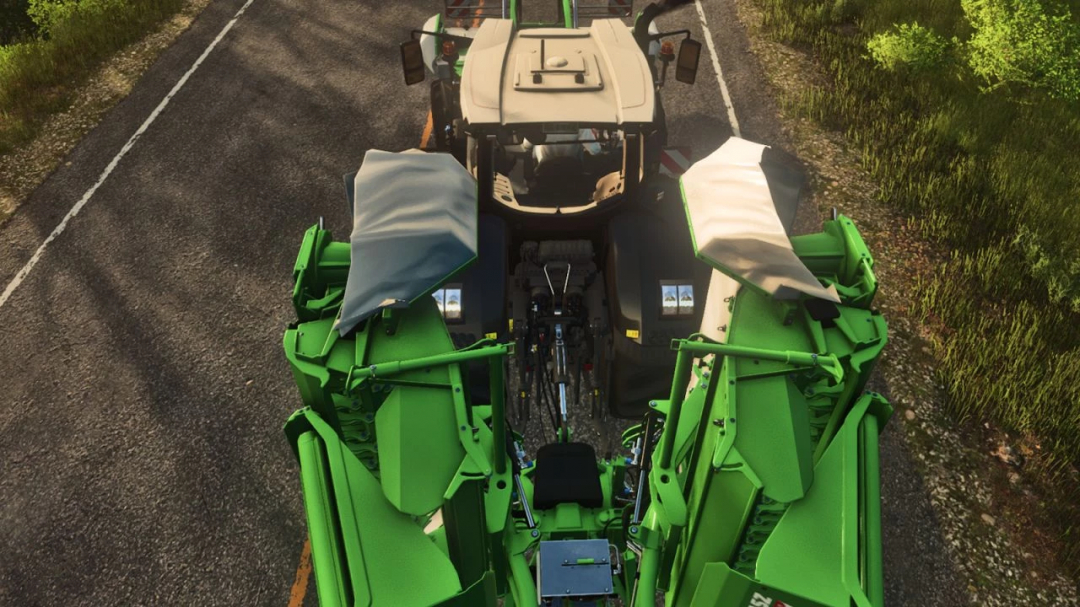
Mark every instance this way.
x=687 y=349
x=643 y=469
x=390 y=368
x=679 y=381
x=498 y=411
x=828 y=362
x=529 y=520
x=560 y=377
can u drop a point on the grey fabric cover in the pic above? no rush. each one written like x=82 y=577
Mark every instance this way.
x=414 y=224
x=736 y=225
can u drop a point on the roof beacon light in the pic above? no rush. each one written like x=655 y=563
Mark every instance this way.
x=667 y=50
x=449 y=50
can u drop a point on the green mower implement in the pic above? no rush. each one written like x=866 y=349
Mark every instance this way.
x=751 y=478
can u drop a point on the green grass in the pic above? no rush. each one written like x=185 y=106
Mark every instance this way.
x=39 y=75
x=993 y=176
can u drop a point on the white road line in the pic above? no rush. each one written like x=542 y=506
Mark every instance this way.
x=719 y=73
x=59 y=229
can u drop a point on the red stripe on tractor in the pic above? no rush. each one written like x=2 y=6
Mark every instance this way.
x=671 y=165
x=676 y=160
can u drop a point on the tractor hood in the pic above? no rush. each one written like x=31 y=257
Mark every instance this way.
x=594 y=75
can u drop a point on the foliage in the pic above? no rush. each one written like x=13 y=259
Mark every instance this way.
x=910 y=45
x=47 y=13
x=1023 y=42
x=38 y=75
x=990 y=173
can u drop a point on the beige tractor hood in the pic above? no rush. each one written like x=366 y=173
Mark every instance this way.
x=594 y=75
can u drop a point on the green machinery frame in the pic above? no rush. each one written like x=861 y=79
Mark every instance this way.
x=761 y=490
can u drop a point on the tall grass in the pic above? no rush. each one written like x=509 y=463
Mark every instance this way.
x=38 y=76
x=995 y=177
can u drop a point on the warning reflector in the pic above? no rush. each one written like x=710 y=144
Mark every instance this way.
x=674 y=161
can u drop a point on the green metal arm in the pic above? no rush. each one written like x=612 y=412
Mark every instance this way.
x=688 y=348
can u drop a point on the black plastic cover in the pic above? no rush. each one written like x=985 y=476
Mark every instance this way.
x=648 y=248
x=483 y=295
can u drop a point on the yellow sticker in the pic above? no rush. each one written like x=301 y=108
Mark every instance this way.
x=511 y=325
x=633 y=333
x=491 y=335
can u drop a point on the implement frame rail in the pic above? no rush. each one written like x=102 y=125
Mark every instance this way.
x=688 y=349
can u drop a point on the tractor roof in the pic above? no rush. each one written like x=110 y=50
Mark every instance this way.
x=594 y=75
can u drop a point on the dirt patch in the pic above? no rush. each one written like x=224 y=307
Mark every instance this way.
x=991 y=513
x=24 y=169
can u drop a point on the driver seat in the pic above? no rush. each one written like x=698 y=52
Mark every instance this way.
x=566 y=473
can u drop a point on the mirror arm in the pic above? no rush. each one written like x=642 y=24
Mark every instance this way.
x=458 y=40
x=655 y=37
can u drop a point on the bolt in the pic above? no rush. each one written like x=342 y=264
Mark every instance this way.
x=633 y=530
x=535 y=533
x=718 y=423
x=372 y=369
x=652 y=403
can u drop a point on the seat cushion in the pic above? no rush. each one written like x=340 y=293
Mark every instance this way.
x=566 y=473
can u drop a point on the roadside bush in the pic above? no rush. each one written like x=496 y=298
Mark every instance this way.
x=1024 y=42
x=37 y=76
x=910 y=45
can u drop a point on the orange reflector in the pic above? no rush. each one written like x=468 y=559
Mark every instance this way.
x=667 y=48
x=448 y=48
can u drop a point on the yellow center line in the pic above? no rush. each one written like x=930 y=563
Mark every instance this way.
x=427 y=133
x=303 y=572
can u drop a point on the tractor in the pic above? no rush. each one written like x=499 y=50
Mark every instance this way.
x=473 y=288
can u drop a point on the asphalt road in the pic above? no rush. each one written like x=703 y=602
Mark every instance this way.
x=144 y=388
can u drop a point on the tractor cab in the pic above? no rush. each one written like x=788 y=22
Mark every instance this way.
x=561 y=127
x=552 y=120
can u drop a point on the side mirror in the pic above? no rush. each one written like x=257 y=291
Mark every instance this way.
x=687 y=63
x=412 y=61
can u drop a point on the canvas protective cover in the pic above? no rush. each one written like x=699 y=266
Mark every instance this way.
x=414 y=226
x=736 y=226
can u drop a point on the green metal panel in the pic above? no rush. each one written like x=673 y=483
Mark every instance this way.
x=719 y=586
x=322 y=529
x=419 y=451
x=827 y=524
x=389 y=560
